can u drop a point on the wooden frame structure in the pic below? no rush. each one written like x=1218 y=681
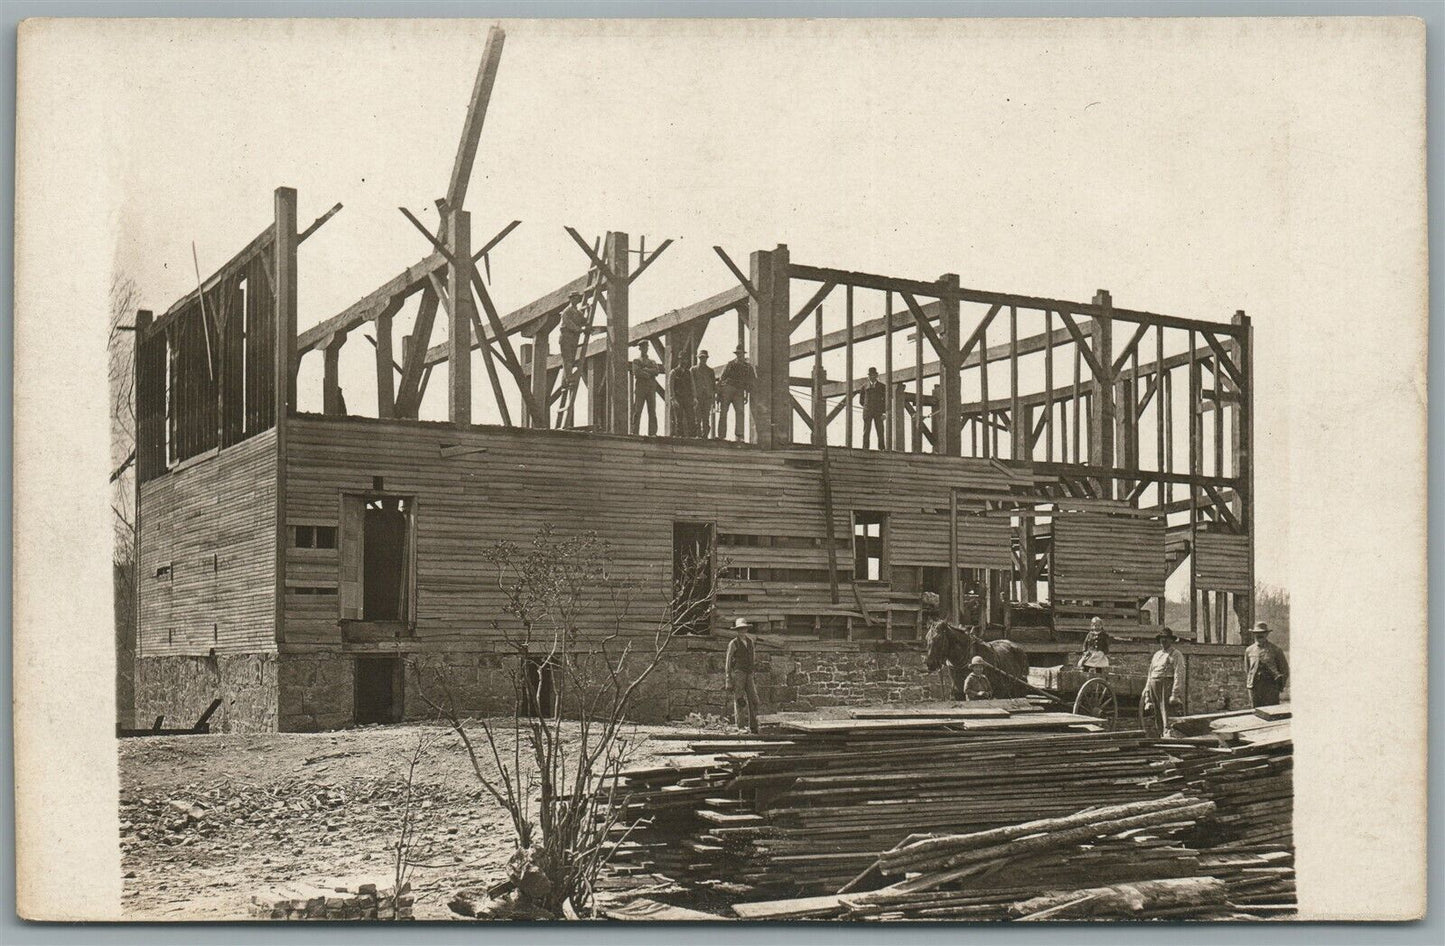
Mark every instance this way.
x=1014 y=478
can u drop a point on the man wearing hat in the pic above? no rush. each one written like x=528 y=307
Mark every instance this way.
x=704 y=392
x=569 y=332
x=644 y=390
x=874 y=396
x=681 y=399
x=737 y=382
x=1162 y=685
x=738 y=675
x=1266 y=671
x=976 y=685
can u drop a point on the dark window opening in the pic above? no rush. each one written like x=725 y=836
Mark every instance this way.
x=868 y=532
x=311 y=590
x=692 y=571
x=379 y=690
x=313 y=537
x=164 y=572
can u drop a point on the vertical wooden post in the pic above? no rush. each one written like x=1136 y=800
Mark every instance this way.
x=618 y=335
x=462 y=312
x=1020 y=432
x=1101 y=417
x=1159 y=408
x=385 y=377
x=1244 y=457
x=284 y=380
x=896 y=420
x=917 y=390
x=541 y=389
x=985 y=417
x=848 y=370
x=1193 y=416
x=893 y=431
x=953 y=613
x=948 y=429
x=820 y=405
x=1049 y=383
x=142 y=391
x=771 y=323
x=330 y=376
x=597 y=415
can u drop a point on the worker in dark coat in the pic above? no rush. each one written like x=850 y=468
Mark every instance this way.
x=644 y=390
x=874 y=397
x=738 y=668
x=681 y=403
x=704 y=393
x=1266 y=671
x=733 y=389
x=976 y=685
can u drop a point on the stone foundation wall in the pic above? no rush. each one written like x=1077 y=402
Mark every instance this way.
x=180 y=689
x=316 y=689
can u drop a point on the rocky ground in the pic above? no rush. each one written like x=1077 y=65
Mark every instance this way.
x=207 y=821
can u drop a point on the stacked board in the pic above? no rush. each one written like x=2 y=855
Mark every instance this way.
x=989 y=810
x=808 y=806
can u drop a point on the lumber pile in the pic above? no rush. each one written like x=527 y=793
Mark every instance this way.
x=1248 y=773
x=807 y=806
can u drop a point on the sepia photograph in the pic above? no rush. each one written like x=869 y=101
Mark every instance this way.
x=727 y=470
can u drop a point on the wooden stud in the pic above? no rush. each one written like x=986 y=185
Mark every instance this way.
x=541 y=380
x=948 y=440
x=459 y=368
x=1018 y=429
x=385 y=366
x=1049 y=382
x=618 y=337
x=917 y=445
x=330 y=380
x=1193 y=417
x=472 y=126
x=848 y=371
x=820 y=406
x=1244 y=454
x=894 y=428
x=284 y=379
x=1101 y=404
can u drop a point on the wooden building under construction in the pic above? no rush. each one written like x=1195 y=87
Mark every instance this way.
x=1042 y=461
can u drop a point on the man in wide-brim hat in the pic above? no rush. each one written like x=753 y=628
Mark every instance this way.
x=1161 y=686
x=738 y=675
x=734 y=387
x=1266 y=671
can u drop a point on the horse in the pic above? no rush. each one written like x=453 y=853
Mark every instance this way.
x=956 y=646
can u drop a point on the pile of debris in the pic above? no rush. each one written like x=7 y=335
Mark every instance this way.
x=333 y=900
x=998 y=810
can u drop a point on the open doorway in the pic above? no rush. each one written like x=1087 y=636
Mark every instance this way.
x=378 y=558
x=692 y=570
x=378 y=690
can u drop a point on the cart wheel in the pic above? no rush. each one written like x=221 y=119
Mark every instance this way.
x=1149 y=721
x=1096 y=698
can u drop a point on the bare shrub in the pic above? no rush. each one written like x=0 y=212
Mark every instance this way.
x=555 y=760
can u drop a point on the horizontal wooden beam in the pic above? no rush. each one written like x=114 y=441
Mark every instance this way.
x=519 y=319
x=367 y=308
x=706 y=309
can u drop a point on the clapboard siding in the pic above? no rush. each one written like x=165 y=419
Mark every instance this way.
x=510 y=482
x=213 y=523
x=1221 y=562
x=1101 y=557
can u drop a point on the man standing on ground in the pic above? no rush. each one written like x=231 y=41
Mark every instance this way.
x=1162 y=687
x=644 y=390
x=704 y=393
x=736 y=384
x=681 y=405
x=738 y=675
x=875 y=406
x=1266 y=671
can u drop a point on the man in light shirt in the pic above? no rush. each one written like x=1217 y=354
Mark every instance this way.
x=1162 y=688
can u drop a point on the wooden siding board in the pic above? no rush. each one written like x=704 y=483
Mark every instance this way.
x=211 y=521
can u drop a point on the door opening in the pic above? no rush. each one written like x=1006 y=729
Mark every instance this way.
x=379 y=686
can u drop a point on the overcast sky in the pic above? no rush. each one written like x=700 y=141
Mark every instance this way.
x=1185 y=176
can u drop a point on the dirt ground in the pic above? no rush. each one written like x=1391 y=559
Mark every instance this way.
x=207 y=821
